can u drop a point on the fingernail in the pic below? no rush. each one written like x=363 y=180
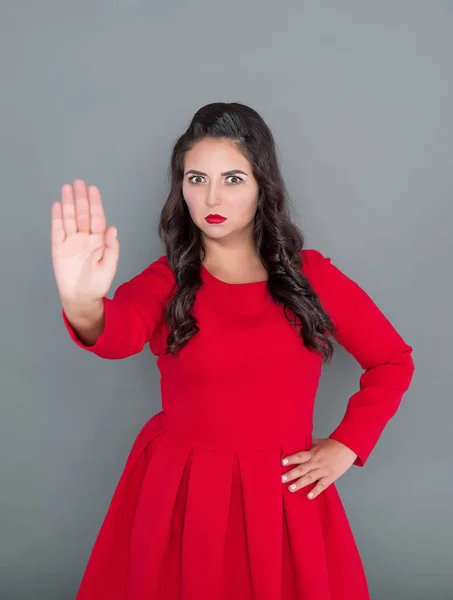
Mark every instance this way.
x=310 y=495
x=284 y=477
x=285 y=461
x=292 y=487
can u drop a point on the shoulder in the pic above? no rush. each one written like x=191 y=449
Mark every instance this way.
x=314 y=265
x=312 y=258
x=161 y=267
x=336 y=289
x=330 y=282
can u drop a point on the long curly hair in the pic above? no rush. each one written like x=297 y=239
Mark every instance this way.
x=278 y=240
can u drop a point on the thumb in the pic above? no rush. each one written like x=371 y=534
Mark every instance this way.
x=111 y=249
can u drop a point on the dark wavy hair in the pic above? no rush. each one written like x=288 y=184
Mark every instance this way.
x=278 y=240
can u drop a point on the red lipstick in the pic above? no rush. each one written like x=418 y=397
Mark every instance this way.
x=215 y=219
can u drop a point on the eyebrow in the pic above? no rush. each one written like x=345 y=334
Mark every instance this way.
x=226 y=173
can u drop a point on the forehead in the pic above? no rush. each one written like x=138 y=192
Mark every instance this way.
x=215 y=154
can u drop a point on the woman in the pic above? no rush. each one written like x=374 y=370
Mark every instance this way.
x=225 y=494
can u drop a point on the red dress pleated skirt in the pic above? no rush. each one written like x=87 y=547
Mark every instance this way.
x=193 y=522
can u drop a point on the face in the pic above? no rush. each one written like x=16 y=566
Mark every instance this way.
x=218 y=180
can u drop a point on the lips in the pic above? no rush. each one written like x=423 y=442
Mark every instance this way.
x=215 y=218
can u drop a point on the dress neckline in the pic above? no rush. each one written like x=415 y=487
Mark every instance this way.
x=213 y=278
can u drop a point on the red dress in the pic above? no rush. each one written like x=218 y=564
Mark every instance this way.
x=200 y=512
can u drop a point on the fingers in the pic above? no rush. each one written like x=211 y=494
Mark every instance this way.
x=303 y=476
x=68 y=210
x=322 y=484
x=112 y=249
x=98 y=220
x=57 y=229
x=82 y=209
x=307 y=471
x=82 y=206
x=308 y=477
x=296 y=459
x=300 y=471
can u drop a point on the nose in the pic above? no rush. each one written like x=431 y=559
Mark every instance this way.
x=212 y=195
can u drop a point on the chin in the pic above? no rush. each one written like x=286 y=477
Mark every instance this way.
x=214 y=232
x=216 y=235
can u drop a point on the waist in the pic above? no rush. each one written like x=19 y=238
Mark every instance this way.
x=234 y=434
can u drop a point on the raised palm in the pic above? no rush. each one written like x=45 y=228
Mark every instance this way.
x=85 y=251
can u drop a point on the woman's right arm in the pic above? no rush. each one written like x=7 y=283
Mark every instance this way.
x=120 y=327
x=85 y=321
x=85 y=253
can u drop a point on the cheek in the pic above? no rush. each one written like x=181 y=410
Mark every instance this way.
x=249 y=199
x=246 y=205
x=191 y=198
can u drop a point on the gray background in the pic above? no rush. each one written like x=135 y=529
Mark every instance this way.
x=359 y=97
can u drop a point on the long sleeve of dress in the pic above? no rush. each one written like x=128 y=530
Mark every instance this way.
x=132 y=315
x=366 y=333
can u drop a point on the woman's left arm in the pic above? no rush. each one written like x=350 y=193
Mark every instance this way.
x=366 y=333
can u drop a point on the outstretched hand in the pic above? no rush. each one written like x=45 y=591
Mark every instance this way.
x=325 y=462
x=85 y=251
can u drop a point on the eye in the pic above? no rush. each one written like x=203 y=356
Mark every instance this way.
x=191 y=179
x=236 y=177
